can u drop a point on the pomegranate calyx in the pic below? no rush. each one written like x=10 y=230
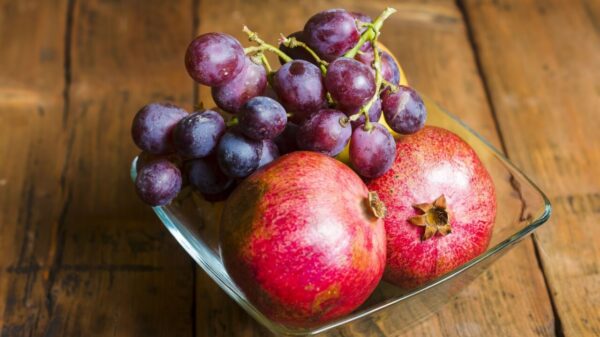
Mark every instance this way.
x=376 y=205
x=435 y=218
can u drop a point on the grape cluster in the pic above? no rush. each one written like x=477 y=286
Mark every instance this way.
x=330 y=92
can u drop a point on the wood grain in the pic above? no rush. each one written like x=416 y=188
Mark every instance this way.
x=541 y=63
x=32 y=148
x=81 y=256
x=431 y=42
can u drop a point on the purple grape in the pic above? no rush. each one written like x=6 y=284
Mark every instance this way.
x=158 y=182
x=238 y=155
x=366 y=57
x=153 y=125
x=365 y=19
x=389 y=69
x=362 y=18
x=144 y=158
x=286 y=141
x=205 y=175
x=404 y=110
x=326 y=131
x=331 y=33
x=197 y=135
x=269 y=153
x=214 y=59
x=262 y=118
x=349 y=82
x=250 y=82
x=270 y=92
x=299 y=86
x=297 y=53
x=372 y=152
x=374 y=113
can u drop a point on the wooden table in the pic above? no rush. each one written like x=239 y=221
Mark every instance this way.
x=81 y=256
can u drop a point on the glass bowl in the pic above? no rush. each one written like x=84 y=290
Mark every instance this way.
x=522 y=207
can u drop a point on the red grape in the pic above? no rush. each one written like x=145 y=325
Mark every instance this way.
x=153 y=126
x=158 y=182
x=214 y=59
x=372 y=152
x=350 y=82
x=404 y=110
x=250 y=82
x=262 y=118
x=331 y=33
x=326 y=131
x=299 y=86
x=238 y=155
x=197 y=135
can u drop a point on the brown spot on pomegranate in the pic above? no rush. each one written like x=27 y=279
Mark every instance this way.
x=325 y=299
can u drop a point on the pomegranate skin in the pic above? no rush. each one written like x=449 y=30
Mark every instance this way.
x=428 y=164
x=299 y=239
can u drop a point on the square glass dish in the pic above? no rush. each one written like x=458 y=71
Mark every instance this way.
x=522 y=207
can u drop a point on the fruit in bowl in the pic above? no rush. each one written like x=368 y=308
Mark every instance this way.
x=441 y=206
x=298 y=169
x=303 y=252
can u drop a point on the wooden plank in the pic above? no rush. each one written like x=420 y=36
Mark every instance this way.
x=430 y=40
x=81 y=255
x=541 y=61
x=135 y=279
x=32 y=148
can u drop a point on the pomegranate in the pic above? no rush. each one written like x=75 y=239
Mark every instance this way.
x=302 y=238
x=441 y=204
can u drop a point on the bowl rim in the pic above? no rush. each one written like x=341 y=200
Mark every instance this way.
x=208 y=262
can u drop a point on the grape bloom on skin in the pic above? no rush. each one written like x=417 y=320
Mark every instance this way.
x=214 y=59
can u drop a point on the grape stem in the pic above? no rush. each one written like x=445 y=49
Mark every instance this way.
x=265 y=63
x=392 y=86
x=371 y=32
x=378 y=80
x=233 y=121
x=330 y=100
x=262 y=45
x=293 y=43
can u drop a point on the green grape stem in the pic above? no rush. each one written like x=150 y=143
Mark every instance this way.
x=378 y=81
x=262 y=46
x=293 y=42
x=371 y=32
x=392 y=86
x=233 y=121
x=265 y=62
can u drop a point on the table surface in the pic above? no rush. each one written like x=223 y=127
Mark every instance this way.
x=81 y=256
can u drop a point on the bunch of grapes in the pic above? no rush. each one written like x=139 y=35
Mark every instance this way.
x=331 y=90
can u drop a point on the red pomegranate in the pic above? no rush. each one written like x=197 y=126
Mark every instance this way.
x=301 y=239
x=441 y=204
